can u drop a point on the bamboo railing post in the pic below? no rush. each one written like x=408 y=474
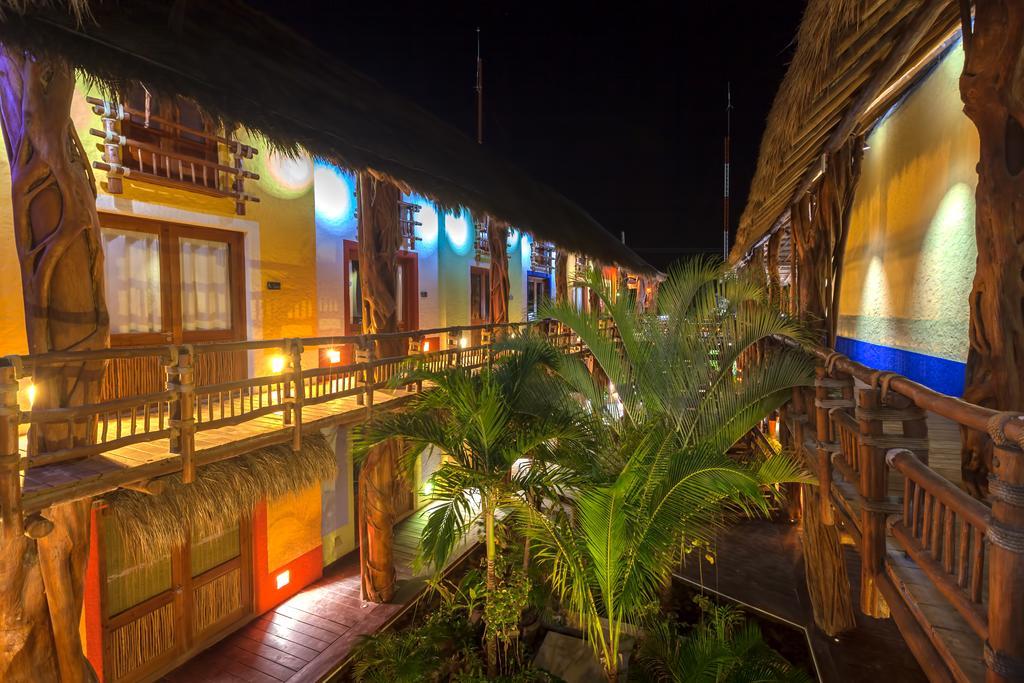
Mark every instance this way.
x=361 y=357
x=298 y=393
x=10 y=477
x=1004 y=651
x=872 y=488
x=180 y=377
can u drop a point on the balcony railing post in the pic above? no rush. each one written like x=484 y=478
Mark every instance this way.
x=180 y=378
x=823 y=432
x=365 y=375
x=298 y=393
x=112 y=150
x=10 y=479
x=1004 y=651
x=872 y=488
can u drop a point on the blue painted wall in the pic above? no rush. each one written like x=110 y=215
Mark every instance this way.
x=939 y=374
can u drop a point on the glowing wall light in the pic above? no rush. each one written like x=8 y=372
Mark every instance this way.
x=283 y=578
x=277 y=364
x=459 y=231
x=333 y=196
x=426 y=346
x=30 y=394
x=463 y=342
x=333 y=356
x=286 y=176
x=428 y=488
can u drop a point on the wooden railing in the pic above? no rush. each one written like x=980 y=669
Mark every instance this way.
x=183 y=410
x=947 y=567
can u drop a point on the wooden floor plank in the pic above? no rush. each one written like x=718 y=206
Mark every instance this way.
x=288 y=647
x=267 y=650
x=297 y=626
x=258 y=627
x=255 y=661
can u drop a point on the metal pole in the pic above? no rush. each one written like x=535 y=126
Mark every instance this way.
x=725 y=193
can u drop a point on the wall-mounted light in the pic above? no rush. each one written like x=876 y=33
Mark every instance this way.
x=428 y=489
x=30 y=394
x=283 y=578
x=333 y=356
x=426 y=346
x=277 y=364
x=463 y=342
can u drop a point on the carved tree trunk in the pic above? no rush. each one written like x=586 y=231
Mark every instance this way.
x=561 y=276
x=497 y=239
x=57 y=236
x=994 y=99
x=379 y=242
x=819 y=225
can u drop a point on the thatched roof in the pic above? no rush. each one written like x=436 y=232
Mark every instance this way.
x=151 y=525
x=841 y=70
x=242 y=67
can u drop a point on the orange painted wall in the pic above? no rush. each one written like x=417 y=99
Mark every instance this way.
x=303 y=570
x=91 y=630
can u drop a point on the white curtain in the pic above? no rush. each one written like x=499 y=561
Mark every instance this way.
x=205 y=288
x=131 y=267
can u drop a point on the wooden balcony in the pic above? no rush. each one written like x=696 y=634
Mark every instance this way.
x=947 y=567
x=153 y=149
x=131 y=440
x=407 y=224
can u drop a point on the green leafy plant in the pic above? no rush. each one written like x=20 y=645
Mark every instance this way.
x=394 y=657
x=498 y=427
x=661 y=476
x=723 y=648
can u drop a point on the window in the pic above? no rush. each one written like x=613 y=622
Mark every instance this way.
x=131 y=269
x=537 y=292
x=406 y=284
x=172 y=283
x=479 y=295
x=177 y=128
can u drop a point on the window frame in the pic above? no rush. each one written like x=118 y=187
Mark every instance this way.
x=170 y=234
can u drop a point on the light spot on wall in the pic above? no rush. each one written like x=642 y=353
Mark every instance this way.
x=875 y=294
x=459 y=231
x=334 y=196
x=285 y=176
x=427 y=218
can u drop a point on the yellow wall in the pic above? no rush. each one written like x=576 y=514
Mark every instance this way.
x=280 y=236
x=911 y=252
x=293 y=526
x=338 y=503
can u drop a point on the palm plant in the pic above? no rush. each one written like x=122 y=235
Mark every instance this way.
x=723 y=648
x=663 y=476
x=485 y=423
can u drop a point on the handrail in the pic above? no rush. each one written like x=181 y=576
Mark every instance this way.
x=966 y=414
x=971 y=554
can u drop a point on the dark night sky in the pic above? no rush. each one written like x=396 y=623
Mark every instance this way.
x=619 y=106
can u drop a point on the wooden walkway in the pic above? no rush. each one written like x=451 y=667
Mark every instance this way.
x=759 y=564
x=305 y=638
x=155 y=459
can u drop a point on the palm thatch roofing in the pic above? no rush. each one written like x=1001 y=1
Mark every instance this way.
x=153 y=524
x=242 y=67
x=854 y=59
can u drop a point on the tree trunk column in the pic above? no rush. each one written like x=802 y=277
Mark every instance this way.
x=497 y=239
x=379 y=243
x=57 y=235
x=561 y=276
x=824 y=563
x=1004 y=651
x=994 y=101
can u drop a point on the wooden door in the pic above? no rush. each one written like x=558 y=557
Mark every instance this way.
x=157 y=611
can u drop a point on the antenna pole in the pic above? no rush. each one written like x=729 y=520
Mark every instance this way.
x=725 y=193
x=479 y=92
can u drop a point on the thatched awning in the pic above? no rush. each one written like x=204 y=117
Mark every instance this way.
x=153 y=524
x=242 y=67
x=854 y=59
